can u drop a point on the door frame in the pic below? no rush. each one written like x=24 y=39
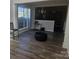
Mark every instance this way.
x=25 y=28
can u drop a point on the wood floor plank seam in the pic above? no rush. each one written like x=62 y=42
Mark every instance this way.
x=27 y=47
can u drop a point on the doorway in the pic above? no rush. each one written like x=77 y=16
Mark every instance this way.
x=23 y=17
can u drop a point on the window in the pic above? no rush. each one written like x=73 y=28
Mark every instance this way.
x=23 y=17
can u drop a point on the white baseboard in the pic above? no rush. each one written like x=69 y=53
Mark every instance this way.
x=20 y=31
x=23 y=30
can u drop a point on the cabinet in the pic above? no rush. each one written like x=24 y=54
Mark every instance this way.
x=48 y=25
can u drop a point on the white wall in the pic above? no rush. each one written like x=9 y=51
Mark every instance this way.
x=66 y=38
x=27 y=1
x=13 y=14
x=11 y=10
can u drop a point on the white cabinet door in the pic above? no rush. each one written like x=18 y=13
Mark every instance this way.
x=49 y=25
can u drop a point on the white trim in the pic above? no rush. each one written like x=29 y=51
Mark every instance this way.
x=23 y=30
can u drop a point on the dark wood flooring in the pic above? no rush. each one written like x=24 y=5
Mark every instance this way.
x=26 y=47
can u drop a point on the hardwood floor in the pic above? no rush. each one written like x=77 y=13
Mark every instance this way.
x=26 y=47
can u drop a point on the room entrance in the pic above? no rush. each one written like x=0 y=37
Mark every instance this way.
x=24 y=17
